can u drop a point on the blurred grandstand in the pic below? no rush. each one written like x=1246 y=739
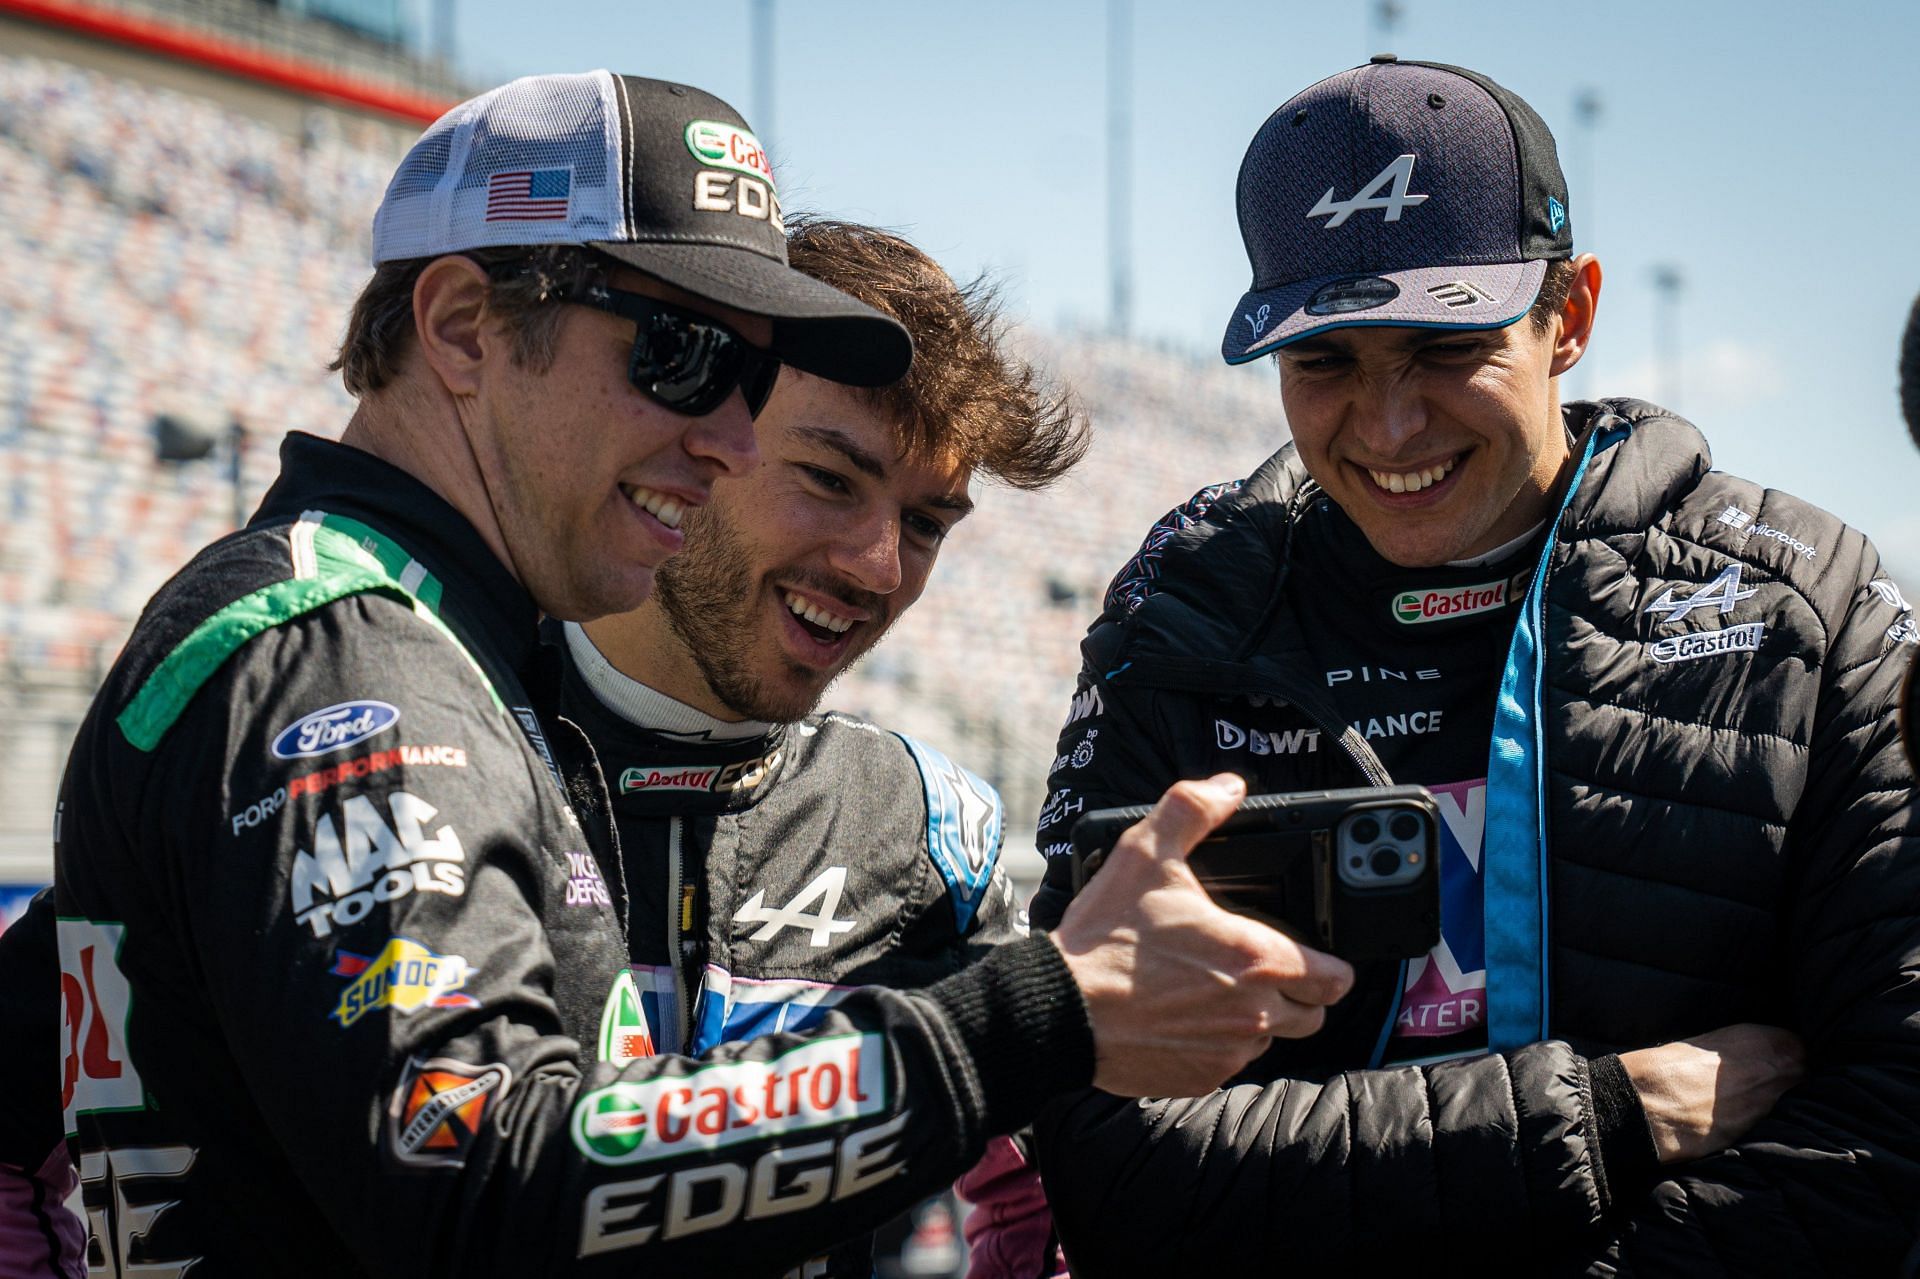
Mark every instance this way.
x=177 y=251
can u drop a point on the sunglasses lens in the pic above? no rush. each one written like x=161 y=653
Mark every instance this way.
x=757 y=380
x=686 y=363
x=688 y=366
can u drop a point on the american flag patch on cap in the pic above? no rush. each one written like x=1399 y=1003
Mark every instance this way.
x=529 y=195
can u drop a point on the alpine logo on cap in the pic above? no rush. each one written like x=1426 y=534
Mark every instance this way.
x=1399 y=173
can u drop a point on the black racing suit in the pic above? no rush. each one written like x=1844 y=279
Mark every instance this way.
x=349 y=973
x=773 y=869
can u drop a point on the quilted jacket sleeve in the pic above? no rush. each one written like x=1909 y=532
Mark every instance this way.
x=1829 y=1182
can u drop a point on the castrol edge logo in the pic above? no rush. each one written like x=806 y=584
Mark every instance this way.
x=824 y=1082
x=727 y=146
x=1414 y=607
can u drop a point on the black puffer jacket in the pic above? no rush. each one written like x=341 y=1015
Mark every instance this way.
x=1729 y=836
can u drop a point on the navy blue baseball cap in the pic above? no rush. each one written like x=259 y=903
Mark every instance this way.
x=1397 y=193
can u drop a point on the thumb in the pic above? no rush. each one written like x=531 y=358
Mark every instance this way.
x=1188 y=812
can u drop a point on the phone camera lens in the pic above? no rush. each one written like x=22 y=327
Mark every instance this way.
x=1385 y=861
x=1405 y=826
x=1365 y=830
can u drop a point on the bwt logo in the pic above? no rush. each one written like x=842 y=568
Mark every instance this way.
x=334 y=728
x=1232 y=737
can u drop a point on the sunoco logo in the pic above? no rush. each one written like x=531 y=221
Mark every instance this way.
x=1463 y=601
x=333 y=728
x=404 y=976
x=824 y=1082
x=727 y=146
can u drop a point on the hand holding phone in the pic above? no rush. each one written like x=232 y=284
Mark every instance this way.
x=1351 y=872
x=1180 y=993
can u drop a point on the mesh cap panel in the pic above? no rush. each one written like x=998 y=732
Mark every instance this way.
x=536 y=161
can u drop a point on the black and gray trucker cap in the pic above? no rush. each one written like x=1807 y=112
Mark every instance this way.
x=1397 y=193
x=661 y=176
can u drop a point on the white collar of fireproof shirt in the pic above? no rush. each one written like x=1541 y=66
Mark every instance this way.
x=1499 y=552
x=647 y=707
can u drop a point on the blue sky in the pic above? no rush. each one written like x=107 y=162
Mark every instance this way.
x=1765 y=149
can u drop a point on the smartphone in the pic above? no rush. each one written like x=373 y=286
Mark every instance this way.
x=1354 y=873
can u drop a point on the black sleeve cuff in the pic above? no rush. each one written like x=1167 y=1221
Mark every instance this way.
x=1021 y=1015
x=1626 y=1141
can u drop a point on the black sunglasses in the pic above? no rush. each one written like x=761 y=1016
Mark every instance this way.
x=687 y=361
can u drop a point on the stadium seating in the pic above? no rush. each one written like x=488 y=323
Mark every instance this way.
x=167 y=255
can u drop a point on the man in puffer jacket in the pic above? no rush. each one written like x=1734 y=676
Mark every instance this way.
x=1654 y=702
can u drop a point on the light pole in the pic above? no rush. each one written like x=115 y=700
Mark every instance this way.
x=1120 y=165
x=1384 y=17
x=763 y=70
x=1586 y=110
x=1667 y=284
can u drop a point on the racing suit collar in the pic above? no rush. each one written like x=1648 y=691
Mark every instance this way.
x=644 y=706
x=659 y=774
x=320 y=474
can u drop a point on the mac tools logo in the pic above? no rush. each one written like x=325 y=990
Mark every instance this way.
x=333 y=728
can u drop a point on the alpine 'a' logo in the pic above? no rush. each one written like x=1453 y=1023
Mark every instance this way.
x=820 y=925
x=1722 y=592
x=1399 y=173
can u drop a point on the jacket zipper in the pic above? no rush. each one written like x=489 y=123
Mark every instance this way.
x=682 y=1013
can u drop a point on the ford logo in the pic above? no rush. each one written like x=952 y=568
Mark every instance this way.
x=334 y=728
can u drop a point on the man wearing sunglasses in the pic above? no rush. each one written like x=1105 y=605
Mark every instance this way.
x=344 y=926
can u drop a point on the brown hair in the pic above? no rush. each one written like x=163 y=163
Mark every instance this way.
x=522 y=282
x=964 y=396
x=1554 y=287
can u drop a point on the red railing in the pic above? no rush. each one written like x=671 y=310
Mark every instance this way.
x=217 y=53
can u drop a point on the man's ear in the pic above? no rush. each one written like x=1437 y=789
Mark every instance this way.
x=450 y=320
x=1573 y=329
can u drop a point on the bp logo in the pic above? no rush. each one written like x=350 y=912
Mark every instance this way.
x=727 y=146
